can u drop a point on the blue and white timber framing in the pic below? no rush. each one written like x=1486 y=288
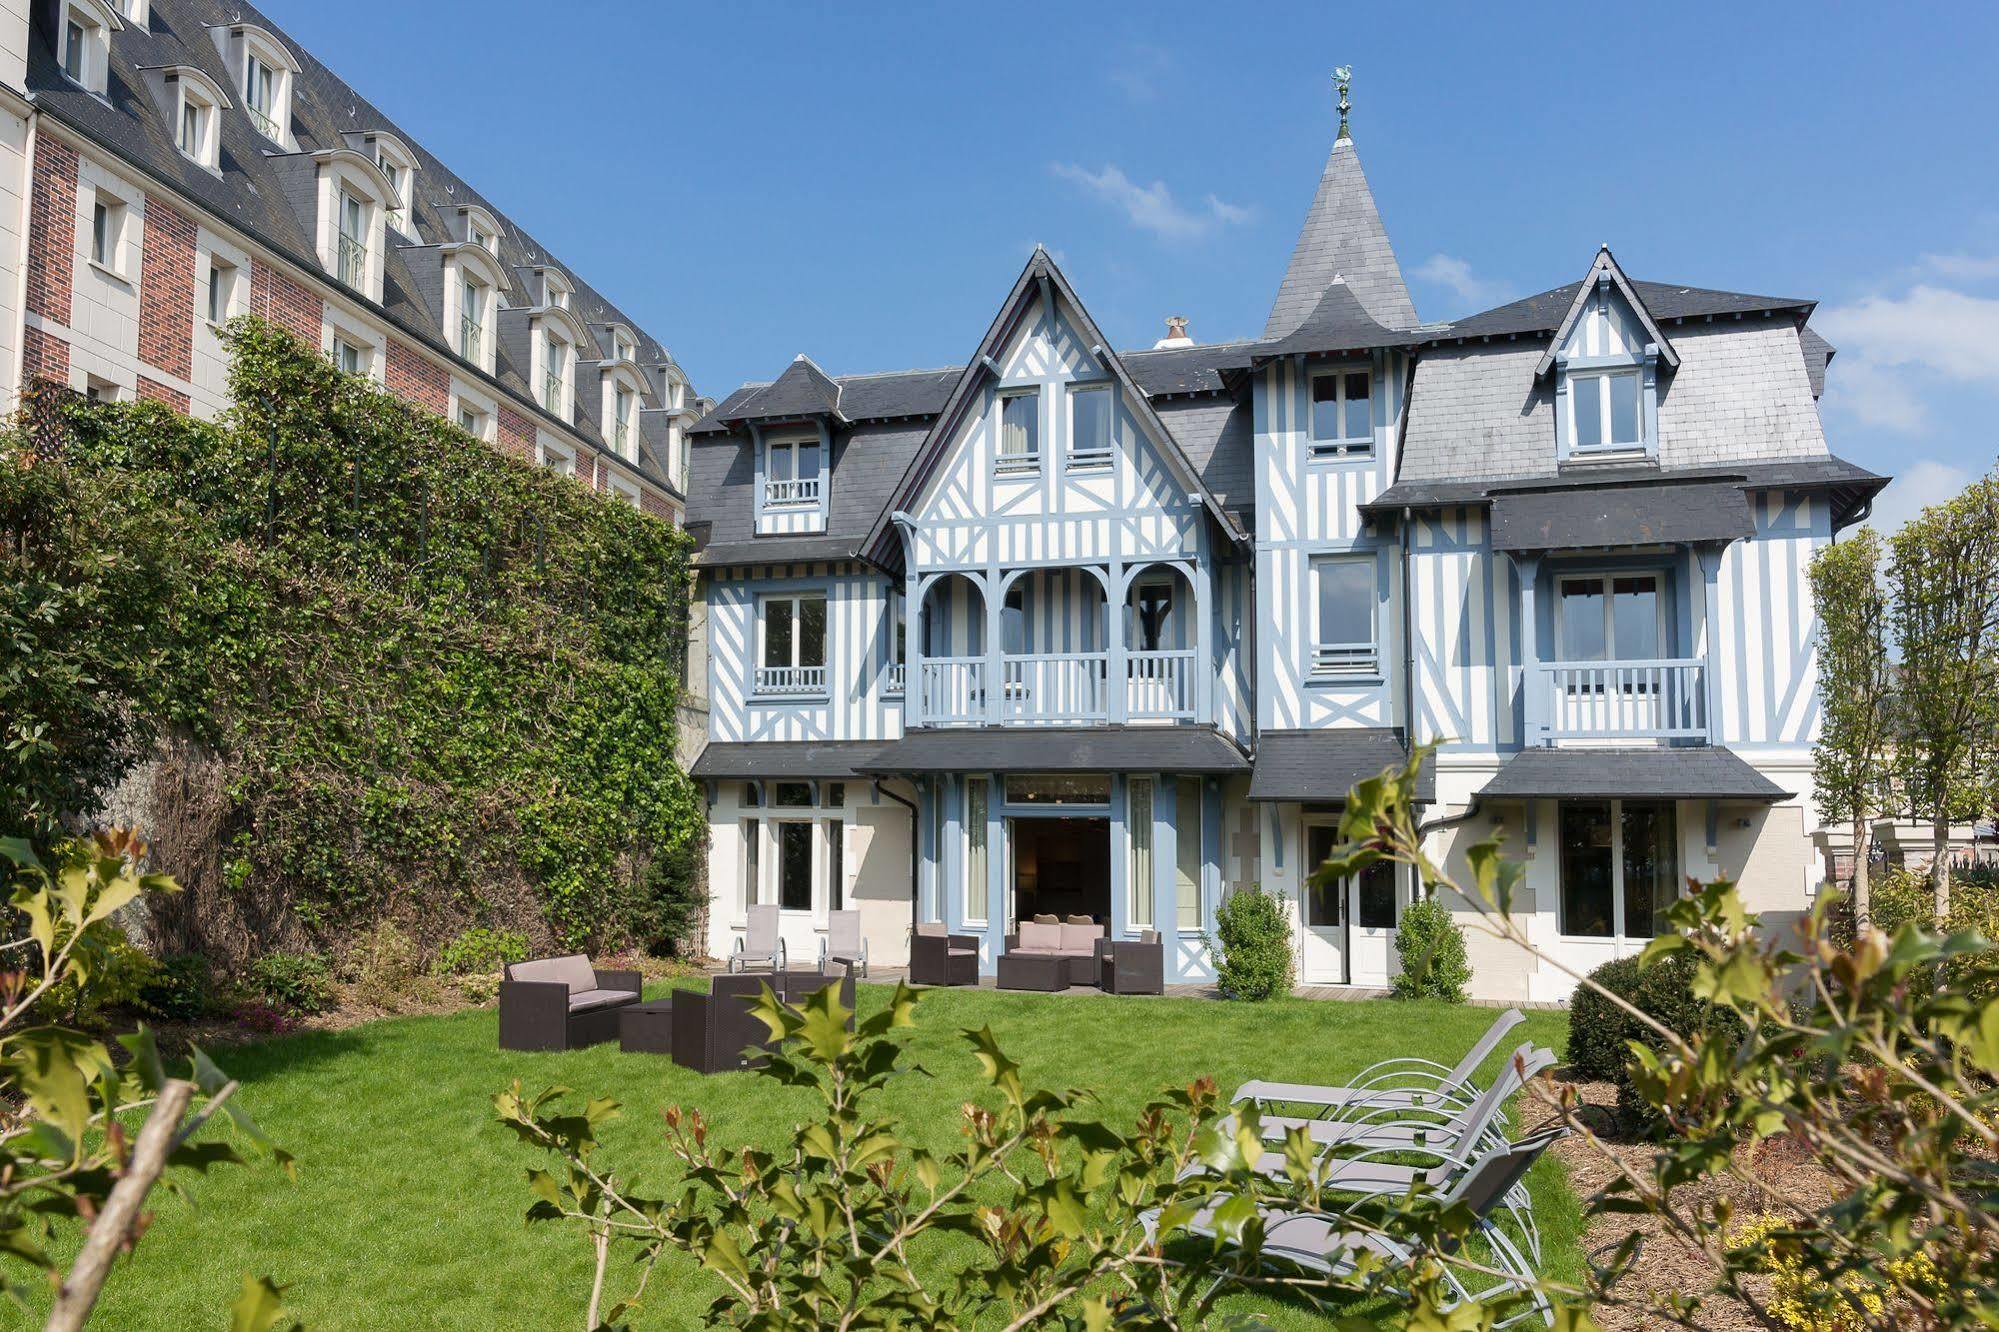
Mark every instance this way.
x=1176 y=599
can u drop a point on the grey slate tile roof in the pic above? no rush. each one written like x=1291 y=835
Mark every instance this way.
x=1543 y=311
x=1325 y=765
x=1583 y=518
x=1337 y=323
x=868 y=460
x=1187 y=749
x=257 y=189
x=1342 y=236
x=802 y=390
x=1706 y=772
x=804 y=759
x=1828 y=472
x=1818 y=353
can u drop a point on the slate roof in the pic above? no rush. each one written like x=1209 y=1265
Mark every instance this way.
x=1544 y=311
x=1342 y=236
x=803 y=390
x=1582 y=518
x=1187 y=749
x=1854 y=483
x=251 y=192
x=1325 y=765
x=1817 y=353
x=1337 y=323
x=803 y=759
x=868 y=460
x=1705 y=772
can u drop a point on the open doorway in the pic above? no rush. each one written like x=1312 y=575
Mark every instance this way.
x=1061 y=867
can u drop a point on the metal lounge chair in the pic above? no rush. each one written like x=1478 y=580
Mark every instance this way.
x=1323 y=1241
x=1403 y=1081
x=1451 y=1127
x=843 y=942
x=762 y=944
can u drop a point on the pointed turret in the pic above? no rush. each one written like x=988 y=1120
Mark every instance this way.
x=1342 y=240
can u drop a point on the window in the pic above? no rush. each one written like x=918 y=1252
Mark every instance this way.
x=898 y=645
x=1139 y=821
x=836 y=869
x=621 y=421
x=195 y=118
x=1619 y=866
x=622 y=348
x=74 y=56
x=794 y=866
x=1343 y=641
x=86 y=42
x=791 y=471
x=555 y=373
x=350 y=359
x=976 y=886
x=107 y=232
x=793 y=795
x=752 y=855
x=1058 y=788
x=558 y=460
x=1342 y=414
x=221 y=290
x=1604 y=411
x=352 y=241
x=1090 y=427
x=794 y=644
x=400 y=175
x=101 y=390
x=1187 y=853
x=1610 y=617
x=1322 y=903
x=1020 y=431
x=471 y=320
x=469 y=422
x=262 y=84
x=1376 y=908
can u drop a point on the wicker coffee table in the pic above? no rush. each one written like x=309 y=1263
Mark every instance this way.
x=646 y=1028
x=1047 y=972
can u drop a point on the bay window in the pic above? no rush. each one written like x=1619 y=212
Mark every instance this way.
x=1619 y=867
x=793 y=626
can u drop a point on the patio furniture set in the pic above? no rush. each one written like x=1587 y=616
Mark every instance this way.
x=1047 y=954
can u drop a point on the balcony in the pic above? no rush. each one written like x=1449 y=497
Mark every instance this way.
x=1055 y=689
x=353 y=266
x=791 y=680
x=797 y=490
x=1664 y=699
x=552 y=393
x=469 y=331
x=266 y=125
x=1159 y=685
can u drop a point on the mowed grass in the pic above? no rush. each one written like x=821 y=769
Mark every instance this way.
x=407 y=1211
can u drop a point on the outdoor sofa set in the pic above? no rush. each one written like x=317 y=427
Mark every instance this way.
x=1046 y=954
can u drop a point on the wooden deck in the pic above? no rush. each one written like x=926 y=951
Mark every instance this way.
x=889 y=975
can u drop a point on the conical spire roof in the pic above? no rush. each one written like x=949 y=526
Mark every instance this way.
x=1342 y=238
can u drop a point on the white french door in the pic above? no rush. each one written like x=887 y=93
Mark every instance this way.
x=1347 y=929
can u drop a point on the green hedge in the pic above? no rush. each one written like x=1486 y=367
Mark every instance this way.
x=1253 y=936
x=441 y=685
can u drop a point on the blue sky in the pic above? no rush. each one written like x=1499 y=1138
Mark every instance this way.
x=751 y=181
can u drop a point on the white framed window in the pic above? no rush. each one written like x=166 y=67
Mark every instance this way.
x=108 y=217
x=222 y=278
x=472 y=295
x=624 y=433
x=472 y=421
x=555 y=374
x=85 y=38
x=792 y=468
x=102 y=390
x=1619 y=866
x=349 y=357
x=558 y=459
x=1606 y=410
x=898 y=644
x=261 y=83
x=978 y=851
x=195 y=131
x=1610 y=617
x=1345 y=627
x=622 y=348
x=352 y=239
x=1089 y=426
x=625 y=490
x=1342 y=414
x=400 y=171
x=1138 y=826
x=792 y=627
x=556 y=288
x=1019 y=431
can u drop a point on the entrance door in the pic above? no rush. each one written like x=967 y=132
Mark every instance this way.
x=1061 y=867
x=1348 y=928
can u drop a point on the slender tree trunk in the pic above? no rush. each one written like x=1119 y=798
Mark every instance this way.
x=1940 y=866
x=1862 y=892
x=112 y=1230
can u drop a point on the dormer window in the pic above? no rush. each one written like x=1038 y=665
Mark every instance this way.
x=472 y=320
x=622 y=348
x=479 y=227
x=260 y=94
x=86 y=43
x=1607 y=355
x=400 y=172
x=555 y=375
x=622 y=405
x=264 y=70
x=352 y=265
x=196 y=105
x=791 y=471
x=1342 y=414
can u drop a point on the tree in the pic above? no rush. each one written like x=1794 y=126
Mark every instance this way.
x=1944 y=573
x=1849 y=763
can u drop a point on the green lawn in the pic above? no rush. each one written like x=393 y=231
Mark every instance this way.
x=407 y=1210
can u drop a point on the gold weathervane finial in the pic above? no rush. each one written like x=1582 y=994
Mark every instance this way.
x=1342 y=80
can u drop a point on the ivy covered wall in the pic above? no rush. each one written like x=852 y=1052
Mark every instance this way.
x=346 y=662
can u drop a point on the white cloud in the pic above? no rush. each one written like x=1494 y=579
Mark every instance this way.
x=1960 y=267
x=1455 y=275
x=1892 y=348
x=1914 y=489
x=1153 y=207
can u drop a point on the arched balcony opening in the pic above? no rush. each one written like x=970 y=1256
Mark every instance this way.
x=1161 y=637
x=1055 y=639
x=950 y=635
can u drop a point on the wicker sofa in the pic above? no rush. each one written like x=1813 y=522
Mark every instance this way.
x=1077 y=944
x=562 y=1003
x=937 y=957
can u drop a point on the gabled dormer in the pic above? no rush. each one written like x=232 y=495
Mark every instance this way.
x=622 y=387
x=343 y=200
x=192 y=104
x=83 y=42
x=791 y=422
x=1607 y=357
x=398 y=164
x=265 y=72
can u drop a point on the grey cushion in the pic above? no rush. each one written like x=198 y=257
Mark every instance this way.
x=573 y=971
x=585 y=1000
x=931 y=929
x=1024 y=951
x=1036 y=937
x=1048 y=920
x=1081 y=939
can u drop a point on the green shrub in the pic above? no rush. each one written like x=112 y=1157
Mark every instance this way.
x=1665 y=993
x=1431 y=945
x=294 y=982
x=110 y=973
x=479 y=950
x=180 y=987
x=1253 y=936
x=1596 y=1026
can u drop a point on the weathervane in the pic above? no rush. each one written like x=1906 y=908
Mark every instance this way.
x=1342 y=77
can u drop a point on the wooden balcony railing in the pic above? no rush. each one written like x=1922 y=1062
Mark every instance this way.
x=799 y=490
x=791 y=680
x=1159 y=684
x=1665 y=699
x=953 y=691
x=1056 y=687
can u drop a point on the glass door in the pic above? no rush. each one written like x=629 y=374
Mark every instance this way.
x=1322 y=912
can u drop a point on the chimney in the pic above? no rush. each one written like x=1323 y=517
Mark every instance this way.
x=1176 y=333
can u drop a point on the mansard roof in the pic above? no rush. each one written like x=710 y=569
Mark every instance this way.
x=1342 y=237
x=250 y=191
x=1601 y=270
x=1040 y=279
